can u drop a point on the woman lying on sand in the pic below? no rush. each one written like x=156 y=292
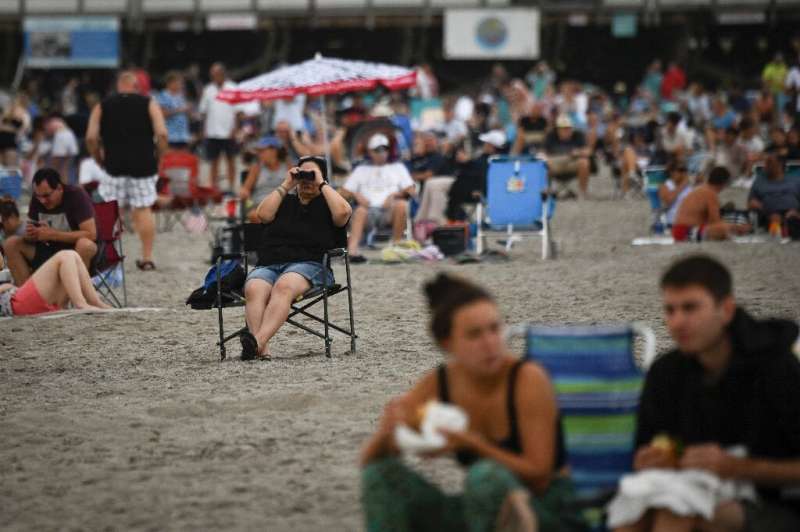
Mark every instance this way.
x=62 y=279
x=513 y=447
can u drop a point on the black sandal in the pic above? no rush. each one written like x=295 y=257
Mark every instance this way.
x=145 y=265
x=249 y=346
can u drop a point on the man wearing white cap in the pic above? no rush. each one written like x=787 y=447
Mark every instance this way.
x=470 y=181
x=567 y=154
x=380 y=189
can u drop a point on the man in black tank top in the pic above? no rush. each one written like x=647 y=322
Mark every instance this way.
x=126 y=135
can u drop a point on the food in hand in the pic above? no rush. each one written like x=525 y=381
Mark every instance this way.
x=419 y=415
x=669 y=445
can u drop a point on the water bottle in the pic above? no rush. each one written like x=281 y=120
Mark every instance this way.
x=473 y=236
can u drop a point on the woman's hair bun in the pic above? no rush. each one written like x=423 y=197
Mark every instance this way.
x=440 y=287
x=446 y=294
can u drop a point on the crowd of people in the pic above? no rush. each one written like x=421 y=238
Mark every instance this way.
x=731 y=380
x=442 y=142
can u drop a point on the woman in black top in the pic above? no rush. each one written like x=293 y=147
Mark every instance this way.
x=300 y=228
x=512 y=446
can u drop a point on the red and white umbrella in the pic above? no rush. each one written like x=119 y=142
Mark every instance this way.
x=318 y=77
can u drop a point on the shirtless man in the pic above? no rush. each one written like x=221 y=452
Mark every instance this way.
x=698 y=217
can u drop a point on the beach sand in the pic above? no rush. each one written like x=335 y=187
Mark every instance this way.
x=130 y=421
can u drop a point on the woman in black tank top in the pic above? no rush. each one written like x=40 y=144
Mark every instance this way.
x=512 y=447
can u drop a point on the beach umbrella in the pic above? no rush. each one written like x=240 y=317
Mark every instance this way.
x=318 y=77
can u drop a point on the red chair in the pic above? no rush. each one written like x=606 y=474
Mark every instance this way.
x=181 y=171
x=109 y=256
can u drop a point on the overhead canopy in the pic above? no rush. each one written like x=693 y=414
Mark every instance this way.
x=320 y=76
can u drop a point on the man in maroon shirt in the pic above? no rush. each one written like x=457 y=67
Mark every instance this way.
x=59 y=217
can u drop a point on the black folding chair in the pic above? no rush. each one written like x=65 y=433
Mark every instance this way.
x=251 y=238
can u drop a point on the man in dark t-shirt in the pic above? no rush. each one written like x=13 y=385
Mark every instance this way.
x=732 y=382
x=531 y=131
x=126 y=134
x=300 y=228
x=59 y=217
x=775 y=199
x=567 y=154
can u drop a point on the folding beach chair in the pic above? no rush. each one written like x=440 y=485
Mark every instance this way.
x=10 y=183
x=179 y=173
x=654 y=177
x=109 y=263
x=792 y=170
x=597 y=384
x=251 y=237
x=518 y=195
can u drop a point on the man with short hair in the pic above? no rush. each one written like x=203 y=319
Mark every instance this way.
x=380 y=189
x=568 y=154
x=60 y=217
x=220 y=125
x=732 y=382
x=698 y=218
x=133 y=134
x=470 y=184
x=775 y=199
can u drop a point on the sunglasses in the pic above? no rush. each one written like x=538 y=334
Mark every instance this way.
x=379 y=149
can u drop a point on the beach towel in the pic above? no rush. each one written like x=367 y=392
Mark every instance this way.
x=685 y=493
x=78 y=312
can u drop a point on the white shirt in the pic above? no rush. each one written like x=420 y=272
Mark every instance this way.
x=377 y=183
x=64 y=143
x=90 y=172
x=220 y=116
x=793 y=82
x=753 y=145
x=290 y=111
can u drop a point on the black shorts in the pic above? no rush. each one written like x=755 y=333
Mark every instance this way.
x=44 y=251
x=216 y=147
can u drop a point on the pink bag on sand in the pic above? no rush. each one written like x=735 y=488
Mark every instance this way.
x=423 y=229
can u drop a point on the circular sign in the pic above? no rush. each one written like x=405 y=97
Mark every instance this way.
x=491 y=33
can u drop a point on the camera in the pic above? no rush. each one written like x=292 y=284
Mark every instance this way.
x=305 y=175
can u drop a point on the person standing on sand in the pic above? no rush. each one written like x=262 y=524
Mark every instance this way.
x=133 y=134
x=698 y=217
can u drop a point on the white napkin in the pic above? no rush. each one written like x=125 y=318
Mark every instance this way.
x=437 y=416
x=686 y=492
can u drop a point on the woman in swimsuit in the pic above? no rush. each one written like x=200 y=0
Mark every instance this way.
x=512 y=448
x=62 y=279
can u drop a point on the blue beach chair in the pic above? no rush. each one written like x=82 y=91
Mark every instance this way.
x=518 y=195
x=654 y=177
x=597 y=383
x=10 y=183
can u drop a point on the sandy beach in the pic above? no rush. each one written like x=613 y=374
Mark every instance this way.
x=129 y=421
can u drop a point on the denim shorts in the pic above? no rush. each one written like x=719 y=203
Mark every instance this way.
x=312 y=271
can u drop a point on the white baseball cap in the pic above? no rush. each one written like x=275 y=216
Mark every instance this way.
x=563 y=121
x=377 y=141
x=495 y=137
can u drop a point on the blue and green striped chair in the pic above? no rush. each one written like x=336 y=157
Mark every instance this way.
x=597 y=383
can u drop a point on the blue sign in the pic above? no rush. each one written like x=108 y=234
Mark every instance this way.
x=86 y=42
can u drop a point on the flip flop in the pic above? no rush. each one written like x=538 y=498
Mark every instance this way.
x=249 y=346
x=145 y=265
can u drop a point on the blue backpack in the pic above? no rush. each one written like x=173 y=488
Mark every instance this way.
x=232 y=277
